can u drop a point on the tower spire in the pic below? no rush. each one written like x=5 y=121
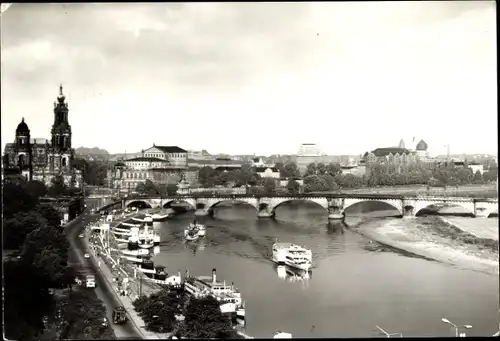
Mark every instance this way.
x=60 y=90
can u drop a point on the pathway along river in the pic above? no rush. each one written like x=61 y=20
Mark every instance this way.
x=355 y=283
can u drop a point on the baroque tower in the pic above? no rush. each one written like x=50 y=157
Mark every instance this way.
x=61 y=155
x=22 y=150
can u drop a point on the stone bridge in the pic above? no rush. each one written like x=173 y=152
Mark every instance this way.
x=335 y=205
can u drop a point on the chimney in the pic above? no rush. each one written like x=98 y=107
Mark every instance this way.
x=232 y=286
x=214 y=276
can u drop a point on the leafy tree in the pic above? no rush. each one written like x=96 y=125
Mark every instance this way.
x=57 y=187
x=16 y=228
x=204 y=320
x=206 y=176
x=478 y=177
x=334 y=169
x=47 y=249
x=147 y=188
x=36 y=188
x=52 y=215
x=293 y=186
x=16 y=199
x=311 y=169
x=82 y=316
x=321 y=168
x=269 y=185
x=26 y=301
x=159 y=310
x=290 y=170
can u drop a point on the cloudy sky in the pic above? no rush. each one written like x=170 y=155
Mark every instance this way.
x=255 y=77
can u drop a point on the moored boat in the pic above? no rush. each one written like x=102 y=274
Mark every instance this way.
x=135 y=253
x=194 y=231
x=229 y=298
x=293 y=255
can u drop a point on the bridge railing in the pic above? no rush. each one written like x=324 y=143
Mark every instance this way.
x=311 y=195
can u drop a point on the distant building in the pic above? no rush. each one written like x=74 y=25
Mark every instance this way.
x=160 y=164
x=199 y=155
x=398 y=156
x=268 y=172
x=308 y=153
x=257 y=162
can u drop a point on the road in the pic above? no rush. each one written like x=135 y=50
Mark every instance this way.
x=77 y=259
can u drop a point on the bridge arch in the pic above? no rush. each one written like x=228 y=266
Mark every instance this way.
x=394 y=204
x=214 y=204
x=467 y=207
x=191 y=202
x=139 y=204
x=322 y=202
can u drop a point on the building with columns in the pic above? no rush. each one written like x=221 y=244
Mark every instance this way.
x=41 y=159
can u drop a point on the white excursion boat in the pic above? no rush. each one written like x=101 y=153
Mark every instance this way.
x=194 y=231
x=133 y=240
x=228 y=296
x=162 y=214
x=135 y=253
x=282 y=335
x=292 y=255
x=147 y=219
x=139 y=259
x=146 y=238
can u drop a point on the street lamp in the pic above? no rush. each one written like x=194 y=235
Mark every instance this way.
x=389 y=335
x=466 y=326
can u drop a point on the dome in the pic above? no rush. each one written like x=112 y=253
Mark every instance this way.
x=422 y=145
x=22 y=128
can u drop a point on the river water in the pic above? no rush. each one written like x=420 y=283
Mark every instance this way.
x=355 y=283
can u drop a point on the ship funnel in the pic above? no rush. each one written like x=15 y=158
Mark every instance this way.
x=232 y=286
x=214 y=275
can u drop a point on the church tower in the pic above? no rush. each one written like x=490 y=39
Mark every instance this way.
x=22 y=149
x=62 y=155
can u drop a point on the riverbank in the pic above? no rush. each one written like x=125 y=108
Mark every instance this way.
x=436 y=238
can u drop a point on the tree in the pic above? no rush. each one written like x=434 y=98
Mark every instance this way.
x=36 y=188
x=26 y=300
x=293 y=186
x=290 y=170
x=16 y=228
x=478 y=177
x=204 y=320
x=47 y=249
x=52 y=215
x=321 y=168
x=57 y=187
x=334 y=169
x=311 y=169
x=147 y=188
x=269 y=185
x=206 y=176
x=16 y=199
x=159 y=310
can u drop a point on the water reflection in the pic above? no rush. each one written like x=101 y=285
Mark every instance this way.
x=335 y=227
x=195 y=246
x=292 y=275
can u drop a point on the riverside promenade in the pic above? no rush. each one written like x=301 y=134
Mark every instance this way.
x=111 y=270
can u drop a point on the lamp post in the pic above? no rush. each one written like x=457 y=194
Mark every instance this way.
x=466 y=326
x=389 y=335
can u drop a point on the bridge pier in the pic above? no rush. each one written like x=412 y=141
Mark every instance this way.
x=336 y=209
x=201 y=212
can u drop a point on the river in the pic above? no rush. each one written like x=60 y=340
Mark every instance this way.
x=355 y=283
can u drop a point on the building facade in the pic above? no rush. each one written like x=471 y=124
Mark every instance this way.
x=41 y=159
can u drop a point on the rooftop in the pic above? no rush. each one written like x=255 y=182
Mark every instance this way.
x=145 y=159
x=390 y=150
x=171 y=149
x=263 y=169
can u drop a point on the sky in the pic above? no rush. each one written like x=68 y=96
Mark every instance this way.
x=244 y=78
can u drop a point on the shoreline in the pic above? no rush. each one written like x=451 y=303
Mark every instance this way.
x=433 y=238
